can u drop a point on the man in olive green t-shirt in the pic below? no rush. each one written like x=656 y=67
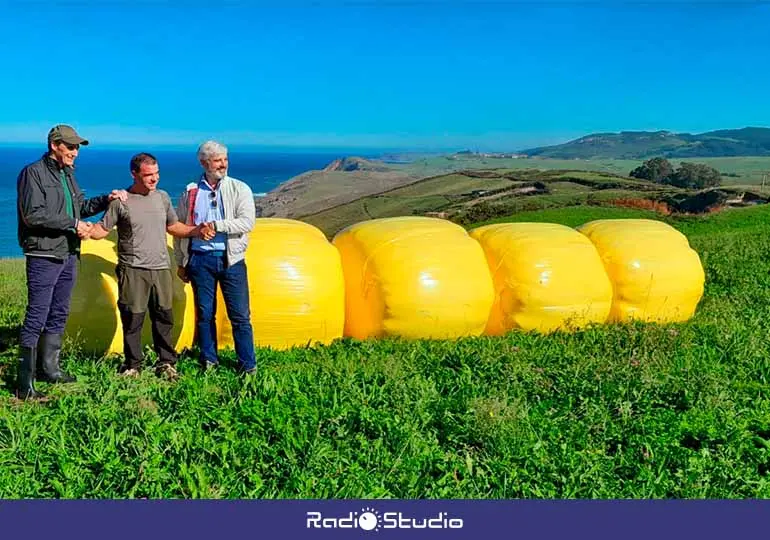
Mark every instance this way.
x=144 y=266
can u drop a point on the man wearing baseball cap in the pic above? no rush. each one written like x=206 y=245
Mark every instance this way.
x=50 y=206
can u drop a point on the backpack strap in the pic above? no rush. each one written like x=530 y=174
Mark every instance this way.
x=192 y=195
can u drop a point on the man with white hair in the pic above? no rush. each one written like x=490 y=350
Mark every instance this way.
x=227 y=205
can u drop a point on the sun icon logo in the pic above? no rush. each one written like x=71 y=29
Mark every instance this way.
x=369 y=520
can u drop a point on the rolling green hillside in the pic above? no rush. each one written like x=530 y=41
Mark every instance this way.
x=471 y=195
x=318 y=191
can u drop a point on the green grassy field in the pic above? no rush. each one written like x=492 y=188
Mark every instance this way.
x=749 y=169
x=616 y=411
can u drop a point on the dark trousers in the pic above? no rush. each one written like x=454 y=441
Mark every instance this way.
x=49 y=290
x=205 y=271
x=138 y=290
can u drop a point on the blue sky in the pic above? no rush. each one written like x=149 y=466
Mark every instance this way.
x=416 y=74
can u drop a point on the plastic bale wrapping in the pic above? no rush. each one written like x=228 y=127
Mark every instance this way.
x=94 y=320
x=296 y=287
x=546 y=276
x=413 y=277
x=656 y=275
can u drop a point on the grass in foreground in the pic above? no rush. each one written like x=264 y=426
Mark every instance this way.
x=622 y=411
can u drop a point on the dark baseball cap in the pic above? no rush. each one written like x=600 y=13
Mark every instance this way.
x=67 y=134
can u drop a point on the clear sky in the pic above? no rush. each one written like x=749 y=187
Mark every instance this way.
x=410 y=74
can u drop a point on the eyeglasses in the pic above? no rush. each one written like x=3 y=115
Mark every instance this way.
x=213 y=199
x=69 y=146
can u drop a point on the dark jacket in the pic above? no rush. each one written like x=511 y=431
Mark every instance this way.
x=44 y=228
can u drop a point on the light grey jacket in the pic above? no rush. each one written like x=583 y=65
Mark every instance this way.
x=238 y=203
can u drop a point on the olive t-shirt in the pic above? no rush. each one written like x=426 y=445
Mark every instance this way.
x=142 y=222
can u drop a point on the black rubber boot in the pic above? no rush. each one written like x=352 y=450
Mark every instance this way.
x=48 y=352
x=26 y=385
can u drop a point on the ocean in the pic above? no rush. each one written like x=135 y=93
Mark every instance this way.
x=99 y=171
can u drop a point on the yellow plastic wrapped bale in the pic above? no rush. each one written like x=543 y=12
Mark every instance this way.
x=296 y=287
x=413 y=277
x=94 y=321
x=546 y=277
x=656 y=275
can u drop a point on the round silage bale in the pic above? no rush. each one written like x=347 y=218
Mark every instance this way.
x=94 y=321
x=413 y=277
x=656 y=275
x=296 y=287
x=546 y=277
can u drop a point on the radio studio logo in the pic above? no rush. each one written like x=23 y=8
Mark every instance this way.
x=369 y=519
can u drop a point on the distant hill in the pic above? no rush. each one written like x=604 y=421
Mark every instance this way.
x=356 y=164
x=749 y=141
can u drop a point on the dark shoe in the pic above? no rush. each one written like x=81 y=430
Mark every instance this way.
x=167 y=371
x=129 y=370
x=26 y=384
x=48 y=352
x=247 y=372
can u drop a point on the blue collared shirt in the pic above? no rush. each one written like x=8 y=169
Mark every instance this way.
x=207 y=211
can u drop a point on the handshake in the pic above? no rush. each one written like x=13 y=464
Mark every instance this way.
x=84 y=229
x=204 y=231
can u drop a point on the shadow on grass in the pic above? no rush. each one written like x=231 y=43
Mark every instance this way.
x=9 y=339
